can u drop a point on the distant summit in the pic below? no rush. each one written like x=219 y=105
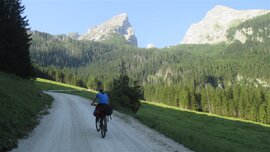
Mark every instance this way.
x=116 y=25
x=213 y=28
x=73 y=35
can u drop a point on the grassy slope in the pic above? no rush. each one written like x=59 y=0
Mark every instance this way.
x=20 y=103
x=204 y=132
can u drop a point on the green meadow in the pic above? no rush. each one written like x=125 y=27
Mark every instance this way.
x=205 y=132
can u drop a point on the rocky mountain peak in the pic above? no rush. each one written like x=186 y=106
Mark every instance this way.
x=150 y=46
x=116 y=25
x=213 y=28
x=221 y=7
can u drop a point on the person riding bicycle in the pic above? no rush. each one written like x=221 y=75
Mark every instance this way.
x=103 y=101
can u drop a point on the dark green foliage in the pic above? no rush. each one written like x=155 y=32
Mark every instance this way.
x=245 y=102
x=217 y=79
x=116 y=39
x=123 y=95
x=14 y=39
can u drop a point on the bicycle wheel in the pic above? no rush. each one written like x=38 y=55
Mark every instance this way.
x=97 y=124
x=103 y=127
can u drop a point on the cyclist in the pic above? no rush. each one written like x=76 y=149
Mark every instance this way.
x=103 y=101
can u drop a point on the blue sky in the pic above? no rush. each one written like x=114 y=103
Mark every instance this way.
x=161 y=22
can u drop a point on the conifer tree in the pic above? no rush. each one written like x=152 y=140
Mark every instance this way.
x=14 y=39
x=123 y=95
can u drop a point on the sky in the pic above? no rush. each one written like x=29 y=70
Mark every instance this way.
x=161 y=22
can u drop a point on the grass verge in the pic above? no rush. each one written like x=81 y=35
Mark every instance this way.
x=45 y=84
x=205 y=133
x=21 y=102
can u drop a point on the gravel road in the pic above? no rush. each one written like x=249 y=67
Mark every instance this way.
x=70 y=127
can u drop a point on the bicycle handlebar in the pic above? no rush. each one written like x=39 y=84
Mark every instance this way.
x=93 y=104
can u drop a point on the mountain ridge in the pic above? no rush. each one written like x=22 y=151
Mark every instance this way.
x=213 y=27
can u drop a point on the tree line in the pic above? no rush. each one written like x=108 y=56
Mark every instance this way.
x=239 y=101
x=197 y=77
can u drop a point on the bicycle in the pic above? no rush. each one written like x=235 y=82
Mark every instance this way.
x=101 y=121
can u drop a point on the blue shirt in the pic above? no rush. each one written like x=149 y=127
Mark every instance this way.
x=102 y=98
